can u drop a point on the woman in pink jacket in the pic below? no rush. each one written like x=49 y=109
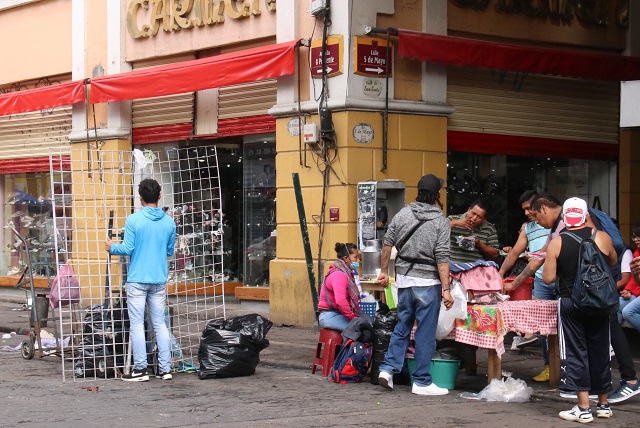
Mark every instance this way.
x=338 y=299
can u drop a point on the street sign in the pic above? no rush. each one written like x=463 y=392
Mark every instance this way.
x=370 y=58
x=334 y=56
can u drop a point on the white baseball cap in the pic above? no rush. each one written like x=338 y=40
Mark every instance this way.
x=574 y=211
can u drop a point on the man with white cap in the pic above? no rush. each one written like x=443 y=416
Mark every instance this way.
x=584 y=338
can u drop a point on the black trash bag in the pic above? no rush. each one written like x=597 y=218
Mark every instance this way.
x=230 y=348
x=384 y=322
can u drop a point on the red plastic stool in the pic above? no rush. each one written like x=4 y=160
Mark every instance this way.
x=328 y=347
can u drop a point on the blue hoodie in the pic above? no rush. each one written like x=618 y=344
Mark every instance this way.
x=149 y=237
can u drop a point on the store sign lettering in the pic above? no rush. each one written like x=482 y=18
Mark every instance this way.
x=363 y=133
x=176 y=15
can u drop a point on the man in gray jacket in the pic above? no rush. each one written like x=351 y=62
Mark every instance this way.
x=420 y=233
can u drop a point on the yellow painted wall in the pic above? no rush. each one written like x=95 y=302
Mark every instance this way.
x=417 y=146
x=88 y=205
x=36 y=40
x=628 y=177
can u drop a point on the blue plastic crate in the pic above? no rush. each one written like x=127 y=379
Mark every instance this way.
x=369 y=308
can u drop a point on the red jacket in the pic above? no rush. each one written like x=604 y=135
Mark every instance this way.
x=337 y=284
x=631 y=285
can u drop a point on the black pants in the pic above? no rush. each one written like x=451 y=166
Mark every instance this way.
x=621 y=348
x=584 y=350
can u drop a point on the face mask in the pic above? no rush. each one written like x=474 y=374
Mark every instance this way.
x=355 y=265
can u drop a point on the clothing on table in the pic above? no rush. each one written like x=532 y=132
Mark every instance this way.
x=486 y=233
x=584 y=339
x=537 y=237
x=419 y=287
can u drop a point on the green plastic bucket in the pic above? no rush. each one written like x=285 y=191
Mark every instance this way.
x=443 y=372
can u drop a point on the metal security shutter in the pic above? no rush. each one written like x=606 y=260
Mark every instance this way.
x=32 y=134
x=501 y=103
x=162 y=111
x=247 y=99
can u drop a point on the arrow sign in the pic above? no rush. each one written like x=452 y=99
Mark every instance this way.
x=333 y=54
x=371 y=56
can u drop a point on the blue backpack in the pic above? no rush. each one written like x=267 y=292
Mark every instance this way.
x=603 y=222
x=352 y=363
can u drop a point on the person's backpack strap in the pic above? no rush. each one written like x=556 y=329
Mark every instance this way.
x=326 y=295
x=572 y=235
x=400 y=245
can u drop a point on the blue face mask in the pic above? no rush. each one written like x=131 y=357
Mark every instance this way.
x=355 y=265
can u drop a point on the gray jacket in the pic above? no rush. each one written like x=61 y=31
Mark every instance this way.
x=427 y=246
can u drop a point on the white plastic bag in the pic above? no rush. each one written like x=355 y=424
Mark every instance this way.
x=509 y=391
x=447 y=318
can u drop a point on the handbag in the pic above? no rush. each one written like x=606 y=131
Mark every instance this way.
x=65 y=288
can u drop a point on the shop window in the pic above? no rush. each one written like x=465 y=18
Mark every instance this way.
x=499 y=180
x=28 y=206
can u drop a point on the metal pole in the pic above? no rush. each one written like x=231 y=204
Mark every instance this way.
x=305 y=240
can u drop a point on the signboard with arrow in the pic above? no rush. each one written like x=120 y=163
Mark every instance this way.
x=334 y=55
x=370 y=58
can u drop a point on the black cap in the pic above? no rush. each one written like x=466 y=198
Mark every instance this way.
x=430 y=183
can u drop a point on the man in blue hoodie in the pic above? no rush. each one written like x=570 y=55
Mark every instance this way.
x=149 y=238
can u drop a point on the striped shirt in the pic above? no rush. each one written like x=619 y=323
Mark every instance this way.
x=486 y=232
x=537 y=237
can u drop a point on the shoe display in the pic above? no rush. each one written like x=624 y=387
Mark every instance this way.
x=625 y=391
x=136 y=376
x=573 y=395
x=526 y=341
x=432 y=389
x=515 y=342
x=576 y=414
x=385 y=380
x=164 y=376
x=543 y=376
x=603 y=411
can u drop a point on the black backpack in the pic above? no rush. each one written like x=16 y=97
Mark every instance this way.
x=594 y=289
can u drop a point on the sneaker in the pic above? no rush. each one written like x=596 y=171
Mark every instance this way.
x=136 y=376
x=577 y=414
x=543 y=376
x=611 y=351
x=164 y=376
x=603 y=411
x=625 y=390
x=515 y=342
x=385 y=380
x=526 y=341
x=432 y=389
x=573 y=395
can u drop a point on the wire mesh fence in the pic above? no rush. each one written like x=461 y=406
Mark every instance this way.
x=93 y=192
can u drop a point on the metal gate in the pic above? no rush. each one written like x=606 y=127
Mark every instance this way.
x=96 y=194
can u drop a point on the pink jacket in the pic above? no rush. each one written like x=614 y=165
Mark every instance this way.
x=337 y=284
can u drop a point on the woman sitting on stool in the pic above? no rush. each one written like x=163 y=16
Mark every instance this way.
x=338 y=300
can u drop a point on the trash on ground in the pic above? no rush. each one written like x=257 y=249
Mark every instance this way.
x=6 y=336
x=509 y=391
x=92 y=388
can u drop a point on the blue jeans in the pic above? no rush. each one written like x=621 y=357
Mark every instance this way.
x=631 y=311
x=333 y=320
x=542 y=291
x=155 y=295
x=421 y=304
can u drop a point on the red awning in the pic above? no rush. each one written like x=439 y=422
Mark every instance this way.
x=528 y=59
x=249 y=65
x=42 y=98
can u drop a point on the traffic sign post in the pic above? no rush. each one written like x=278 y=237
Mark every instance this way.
x=334 y=56
x=370 y=58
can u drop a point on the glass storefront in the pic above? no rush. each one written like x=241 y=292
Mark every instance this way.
x=499 y=180
x=28 y=207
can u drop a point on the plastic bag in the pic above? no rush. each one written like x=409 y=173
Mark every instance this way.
x=230 y=348
x=383 y=324
x=509 y=391
x=447 y=318
x=65 y=287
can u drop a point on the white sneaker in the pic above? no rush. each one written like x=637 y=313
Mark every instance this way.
x=577 y=415
x=385 y=380
x=515 y=342
x=432 y=389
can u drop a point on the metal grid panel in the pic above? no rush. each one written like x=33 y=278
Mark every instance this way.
x=103 y=186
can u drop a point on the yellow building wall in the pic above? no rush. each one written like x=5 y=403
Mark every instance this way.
x=417 y=145
x=88 y=257
x=628 y=179
x=36 y=40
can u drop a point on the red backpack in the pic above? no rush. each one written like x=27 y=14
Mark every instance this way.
x=352 y=363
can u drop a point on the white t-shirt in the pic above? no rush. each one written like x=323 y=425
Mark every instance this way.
x=403 y=281
x=625 y=265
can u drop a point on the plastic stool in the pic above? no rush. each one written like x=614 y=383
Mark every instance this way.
x=326 y=350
